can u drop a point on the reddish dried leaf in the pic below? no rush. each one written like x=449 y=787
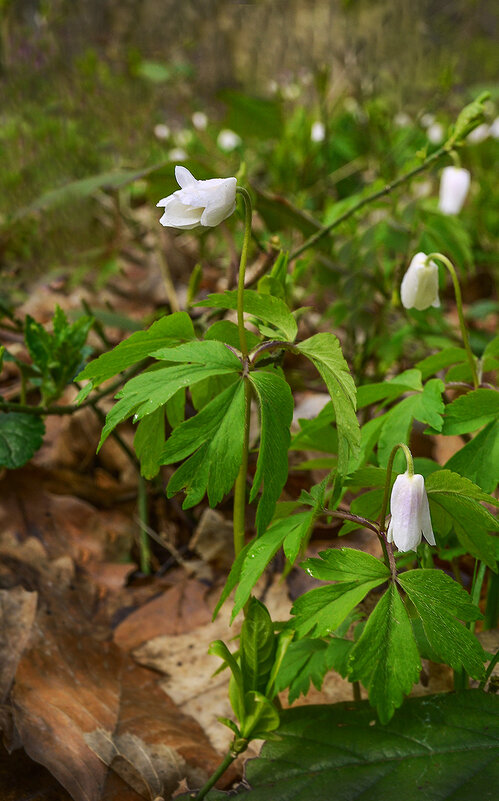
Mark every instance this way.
x=17 y=614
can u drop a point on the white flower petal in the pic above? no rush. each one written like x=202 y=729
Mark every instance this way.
x=454 y=186
x=426 y=526
x=184 y=177
x=177 y=215
x=410 y=513
x=419 y=288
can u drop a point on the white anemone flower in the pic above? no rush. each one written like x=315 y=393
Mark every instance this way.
x=318 y=132
x=419 y=288
x=228 y=140
x=410 y=510
x=198 y=203
x=454 y=186
x=435 y=133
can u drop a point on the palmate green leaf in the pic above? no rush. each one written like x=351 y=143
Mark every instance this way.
x=346 y=564
x=149 y=442
x=144 y=393
x=478 y=460
x=439 y=600
x=471 y=411
x=443 y=747
x=264 y=307
x=167 y=332
x=459 y=498
x=208 y=352
x=257 y=646
x=215 y=438
x=20 y=437
x=385 y=658
x=308 y=661
x=320 y=611
x=276 y=412
x=325 y=352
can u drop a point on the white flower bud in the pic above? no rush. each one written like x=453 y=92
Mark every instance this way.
x=198 y=203
x=454 y=185
x=494 y=129
x=410 y=513
x=161 y=131
x=228 y=140
x=435 y=133
x=419 y=288
x=318 y=132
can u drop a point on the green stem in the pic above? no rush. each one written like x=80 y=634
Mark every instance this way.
x=493 y=662
x=476 y=589
x=228 y=760
x=242 y=269
x=492 y=607
x=145 y=549
x=239 y=515
x=442 y=151
x=459 y=302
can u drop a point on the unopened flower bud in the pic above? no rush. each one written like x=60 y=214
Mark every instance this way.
x=410 y=510
x=419 y=288
x=454 y=185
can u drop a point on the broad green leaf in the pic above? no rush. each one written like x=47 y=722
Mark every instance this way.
x=492 y=349
x=298 y=535
x=445 y=482
x=439 y=600
x=443 y=747
x=216 y=436
x=276 y=412
x=478 y=460
x=471 y=411
x=264 y=307
x=308 y=661
x=209 y=352
x=438 y=361
x=175 y=408
x=257 y=646
x=385 y=658
x=325 y=352
x=144 y=393
x=20 y=437
x=168 y=331
x=320 y=611
x=346 y=564
x=149 y=442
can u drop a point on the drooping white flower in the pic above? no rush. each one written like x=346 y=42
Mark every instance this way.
x=410 y=510
x=228 y=140
x=419 y=288
x=427 y=119
x=199 y=120
x=318 y=132
x=198 y=203
x=454 y=186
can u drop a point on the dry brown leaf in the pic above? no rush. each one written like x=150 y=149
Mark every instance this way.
x=17 y=615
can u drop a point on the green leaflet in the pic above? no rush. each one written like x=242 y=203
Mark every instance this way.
x=20 y=437
x=208 y=352
x=346 y=564
x=227 y=332
x=324 y=351
x=308 y=661
x=460 y=498
x=385 y=658
x=149 y=442
x=166 y=332
x=471 y=411
x=215 y=438
x=264 y=307
x=257 y=647
x=438 y=361
x=276 y=411
x=478 y=460
x=389 y=390
x=320 y=611
x=426 y=406
x=144 y=393
x=438 y=600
